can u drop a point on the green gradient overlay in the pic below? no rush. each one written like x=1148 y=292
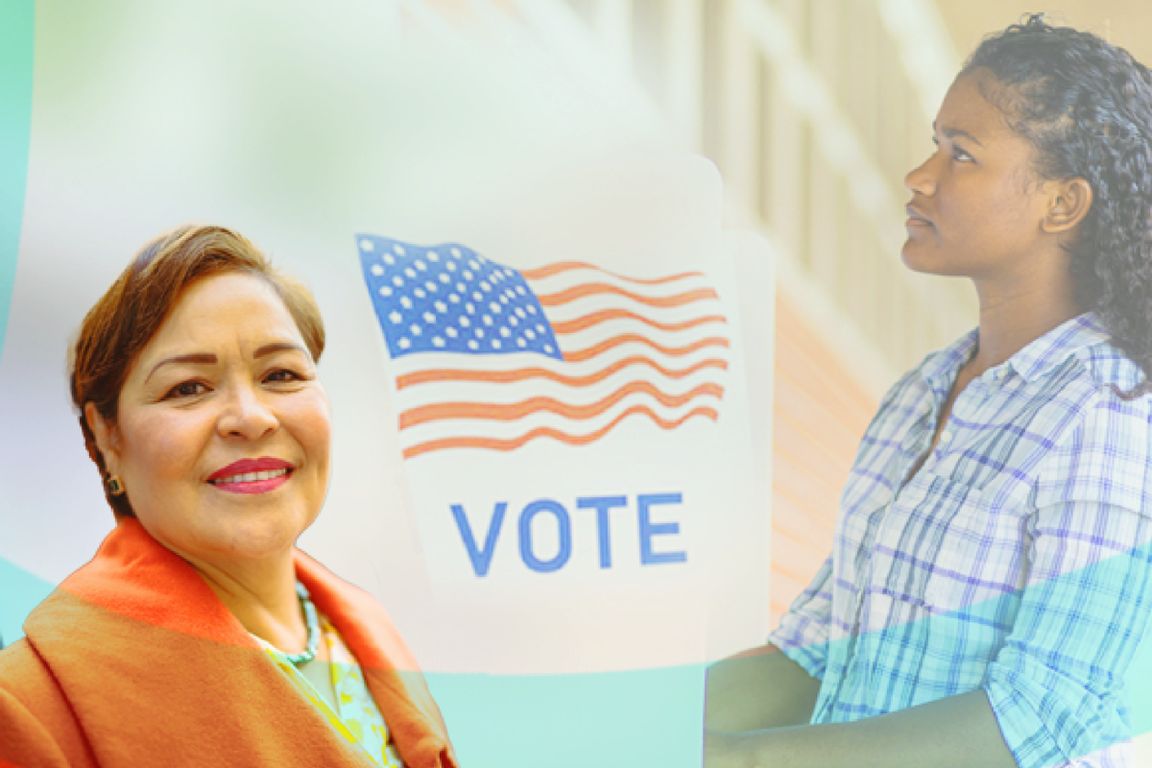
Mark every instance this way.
x=17 y=24
x=565 y=720
x=20 y=591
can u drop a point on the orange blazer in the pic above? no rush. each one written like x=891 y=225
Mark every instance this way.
x=133 y=661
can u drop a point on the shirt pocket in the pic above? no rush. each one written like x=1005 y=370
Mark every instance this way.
x=950 y=546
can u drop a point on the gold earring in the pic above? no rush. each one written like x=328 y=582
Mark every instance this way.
x=115 y=486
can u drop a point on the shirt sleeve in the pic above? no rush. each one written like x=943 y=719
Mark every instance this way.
x=1056 y=685
x=803 y=631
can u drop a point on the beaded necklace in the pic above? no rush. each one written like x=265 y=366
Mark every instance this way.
x=309 y=653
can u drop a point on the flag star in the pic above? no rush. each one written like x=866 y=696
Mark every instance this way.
x=487 y=319
x=456 y=253
x=521 y=290
x=444 y=278
x=450 y=266
x=461 y=287
x=419 y=293
x=529 y=334
x=406 y=302
x=367 y=245
x=398 y=248
x=420 y=265
x=495 y=343
x=464 y=321
x=453 y=298
x=433 y=256
x=479 y=333
x=377 y=270
x=441 y=307
x=385 y=290
x=430 y=286
x=531 y=309
x=389 y=259
x=520 y=312
x=467 y=274
x=429 y=317
x=472 y=263
x=473 y=344
x=452 y=332
x=493 y=306
x=414 y=329
x=410 y=272
x=485 y=286
x=510 y=293
x=437 y=342
x=513 y=321
x=397 y=281
x=404 y=343
x=539 y=327
x=470 y=308
x=395 y=317
x=521 y=343
x=477 y=296
x=503 y=299
x=547 y=347
x=505 y=332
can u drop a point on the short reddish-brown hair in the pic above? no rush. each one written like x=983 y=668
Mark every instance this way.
x=130 y=312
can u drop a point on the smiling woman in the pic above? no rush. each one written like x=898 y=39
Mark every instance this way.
x=199 y=631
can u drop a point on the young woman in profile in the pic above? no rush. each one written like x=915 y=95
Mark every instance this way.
x=991 y=575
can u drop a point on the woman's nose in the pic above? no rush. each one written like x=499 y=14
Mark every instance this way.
x=246 y=414
x=922 y=179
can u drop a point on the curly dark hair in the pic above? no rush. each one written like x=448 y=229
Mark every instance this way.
x=1086 y=107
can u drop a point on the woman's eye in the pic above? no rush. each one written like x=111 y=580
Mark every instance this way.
x=960 y=155
x=282 y=375
x=186 y=389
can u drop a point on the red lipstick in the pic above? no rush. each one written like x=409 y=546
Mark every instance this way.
x=252 y=475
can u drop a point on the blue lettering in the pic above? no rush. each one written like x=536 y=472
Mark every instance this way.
x=481 y=557
x=648 y=529
x=564 y=524
x=602 y=504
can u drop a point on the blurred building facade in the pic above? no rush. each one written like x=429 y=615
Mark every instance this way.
x=813 y=112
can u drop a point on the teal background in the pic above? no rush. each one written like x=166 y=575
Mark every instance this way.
x=16 y=39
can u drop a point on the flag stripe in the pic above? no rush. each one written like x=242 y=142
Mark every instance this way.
x=439 y=375
x=592 y=289
x=567 y=266
x=516 y=411
x=555 y=434
x=607 y=315
x=580 y=355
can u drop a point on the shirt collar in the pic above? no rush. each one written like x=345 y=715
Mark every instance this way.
x=939 y=368
x=1033 y=361
x=1057 y=345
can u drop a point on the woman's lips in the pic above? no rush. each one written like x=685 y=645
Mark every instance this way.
x=915 y=218
x=252 y=475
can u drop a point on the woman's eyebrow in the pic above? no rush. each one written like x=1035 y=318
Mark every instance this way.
x=199 y=358
x=278 y=346
x=207 y=358
x=954 y=132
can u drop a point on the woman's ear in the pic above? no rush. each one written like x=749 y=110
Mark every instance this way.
x=1069 y=202
x=107 y=437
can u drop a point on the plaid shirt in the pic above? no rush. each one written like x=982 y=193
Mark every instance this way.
x=1016 y=559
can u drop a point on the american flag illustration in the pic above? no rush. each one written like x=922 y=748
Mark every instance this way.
x=490 y=357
